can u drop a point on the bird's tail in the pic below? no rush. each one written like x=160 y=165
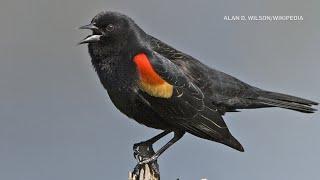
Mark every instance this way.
x=274 y=99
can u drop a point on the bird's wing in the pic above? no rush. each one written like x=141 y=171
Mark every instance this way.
x=225 y=91
x=186 y=106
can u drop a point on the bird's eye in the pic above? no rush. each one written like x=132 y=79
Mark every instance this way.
x=110 y=27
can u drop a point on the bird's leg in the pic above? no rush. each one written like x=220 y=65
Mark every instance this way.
x=177 y=135
x=154 y=139
x=144 y=149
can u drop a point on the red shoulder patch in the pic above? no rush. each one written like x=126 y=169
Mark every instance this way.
x=147 y=73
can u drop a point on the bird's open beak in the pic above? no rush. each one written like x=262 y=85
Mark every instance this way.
x=91 y=38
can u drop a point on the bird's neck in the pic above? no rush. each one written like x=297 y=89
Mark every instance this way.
x=112 y=64
x=114 y=61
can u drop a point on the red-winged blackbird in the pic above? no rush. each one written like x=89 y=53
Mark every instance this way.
x=163 y=88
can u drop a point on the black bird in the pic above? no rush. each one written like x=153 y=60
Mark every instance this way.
x=164 y=88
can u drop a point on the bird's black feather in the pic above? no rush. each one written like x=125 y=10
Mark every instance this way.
x=201 y=95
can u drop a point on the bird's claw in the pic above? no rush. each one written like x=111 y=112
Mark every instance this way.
x=143 y=152
x=149 y=160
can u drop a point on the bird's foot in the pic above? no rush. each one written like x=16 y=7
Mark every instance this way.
x=142 y=151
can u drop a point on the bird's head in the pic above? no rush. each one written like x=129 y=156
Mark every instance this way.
x=113 y=30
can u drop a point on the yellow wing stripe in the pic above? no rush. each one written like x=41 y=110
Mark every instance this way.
x=164 y=90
